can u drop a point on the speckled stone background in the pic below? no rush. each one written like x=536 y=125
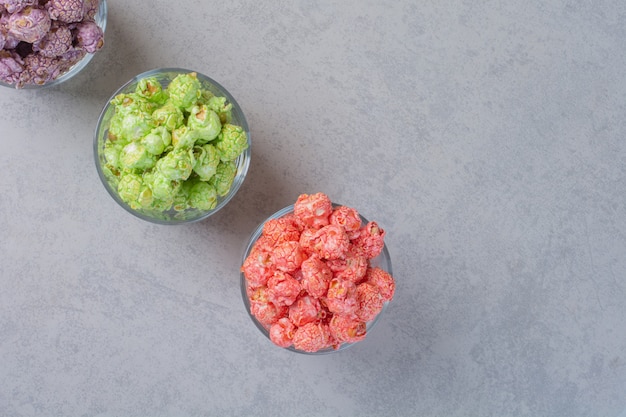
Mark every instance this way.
x=486 y=137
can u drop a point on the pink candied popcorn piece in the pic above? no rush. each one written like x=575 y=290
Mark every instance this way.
x=346 y=329
x=351 y=267
x=305 y=309
x=283 y=289
x=257 y=267
x=331 y=242
x=307 y=240
x=369 y=300
x=316 y=276
x=313 y=210
x=287 y=256
x=281 y=229
x=341 y=297
x=370 y=240
x=383 y=281
x=346 y=217
x=266 y=312
x=312 y=337
x=281 y=332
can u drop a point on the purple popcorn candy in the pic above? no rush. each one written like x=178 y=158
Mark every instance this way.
x=14 y=6
x=88 y=36
x=11 y=66
x=66 y=11
x=30 y=24
x=56 y=42
x=39 y=69
x=90 y=8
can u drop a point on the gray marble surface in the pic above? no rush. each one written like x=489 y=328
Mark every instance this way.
x=486 y=137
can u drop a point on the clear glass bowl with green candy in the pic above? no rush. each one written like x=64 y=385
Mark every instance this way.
x=172 y=146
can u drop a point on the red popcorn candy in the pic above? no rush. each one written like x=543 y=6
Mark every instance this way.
x=257 y=267
x=305 y=309
x=383 y=281
x=316 y=276
x=351 y=267
x=346 y=217
x=281 y=332
x=331 y=242
x=287 y=256
x=369 y=300
x=282 y=289
x=281 y=229
x=309 y=279
x=370 y=240
x=266 y=312
x=313 y=210
x=341 y=297
x=346 y=329
x=312 y=337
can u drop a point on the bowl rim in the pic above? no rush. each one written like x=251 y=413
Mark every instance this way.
x=101 y=19
x=243 y=160
x=383 y=257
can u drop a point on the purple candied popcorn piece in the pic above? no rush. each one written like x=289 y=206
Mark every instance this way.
x=56 y=42
x=67 y=11
x=90 y=8
x=10 y=41
x=30 y=24
x=39 y=69
x=11 y=66
x=14 y=6
x=88 y=36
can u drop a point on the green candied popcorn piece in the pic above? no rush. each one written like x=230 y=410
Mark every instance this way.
x=180 y=201
x=202 y=195
x=231 y=142
x=112 y=151
x=222 y=107
x=127 y=102
x=132 y=125
x=163 y=188
x=207 y=159
x=224 y=177
x=183 y=137
x=134 y=192
x=204 y=123
x=151 y=89
x=184 y=90
x=157 y=140
x=169 y=116
x=176 y=164
x=135 y=156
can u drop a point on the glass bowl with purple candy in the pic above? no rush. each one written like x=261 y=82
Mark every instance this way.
x=46 y=42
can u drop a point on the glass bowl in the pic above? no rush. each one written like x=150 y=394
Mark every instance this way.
x=101 y=20
x=171 y=216
x=383 y=261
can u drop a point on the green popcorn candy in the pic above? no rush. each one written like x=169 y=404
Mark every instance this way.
x=133 y=125
x=125 y=103
x=177 y=164
x=183 y=137
x=222 y=107
x=204 y=123
x=136 y=156
x=207 y=159
x=157 y=140
x=163 y=188
x=151 y=89
x=112 y=152
x=168 y=116
x=231 y=142
x=202 y=195
x=184 y=90
x=134 y=192
x=224 y=177
x=180 y=202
